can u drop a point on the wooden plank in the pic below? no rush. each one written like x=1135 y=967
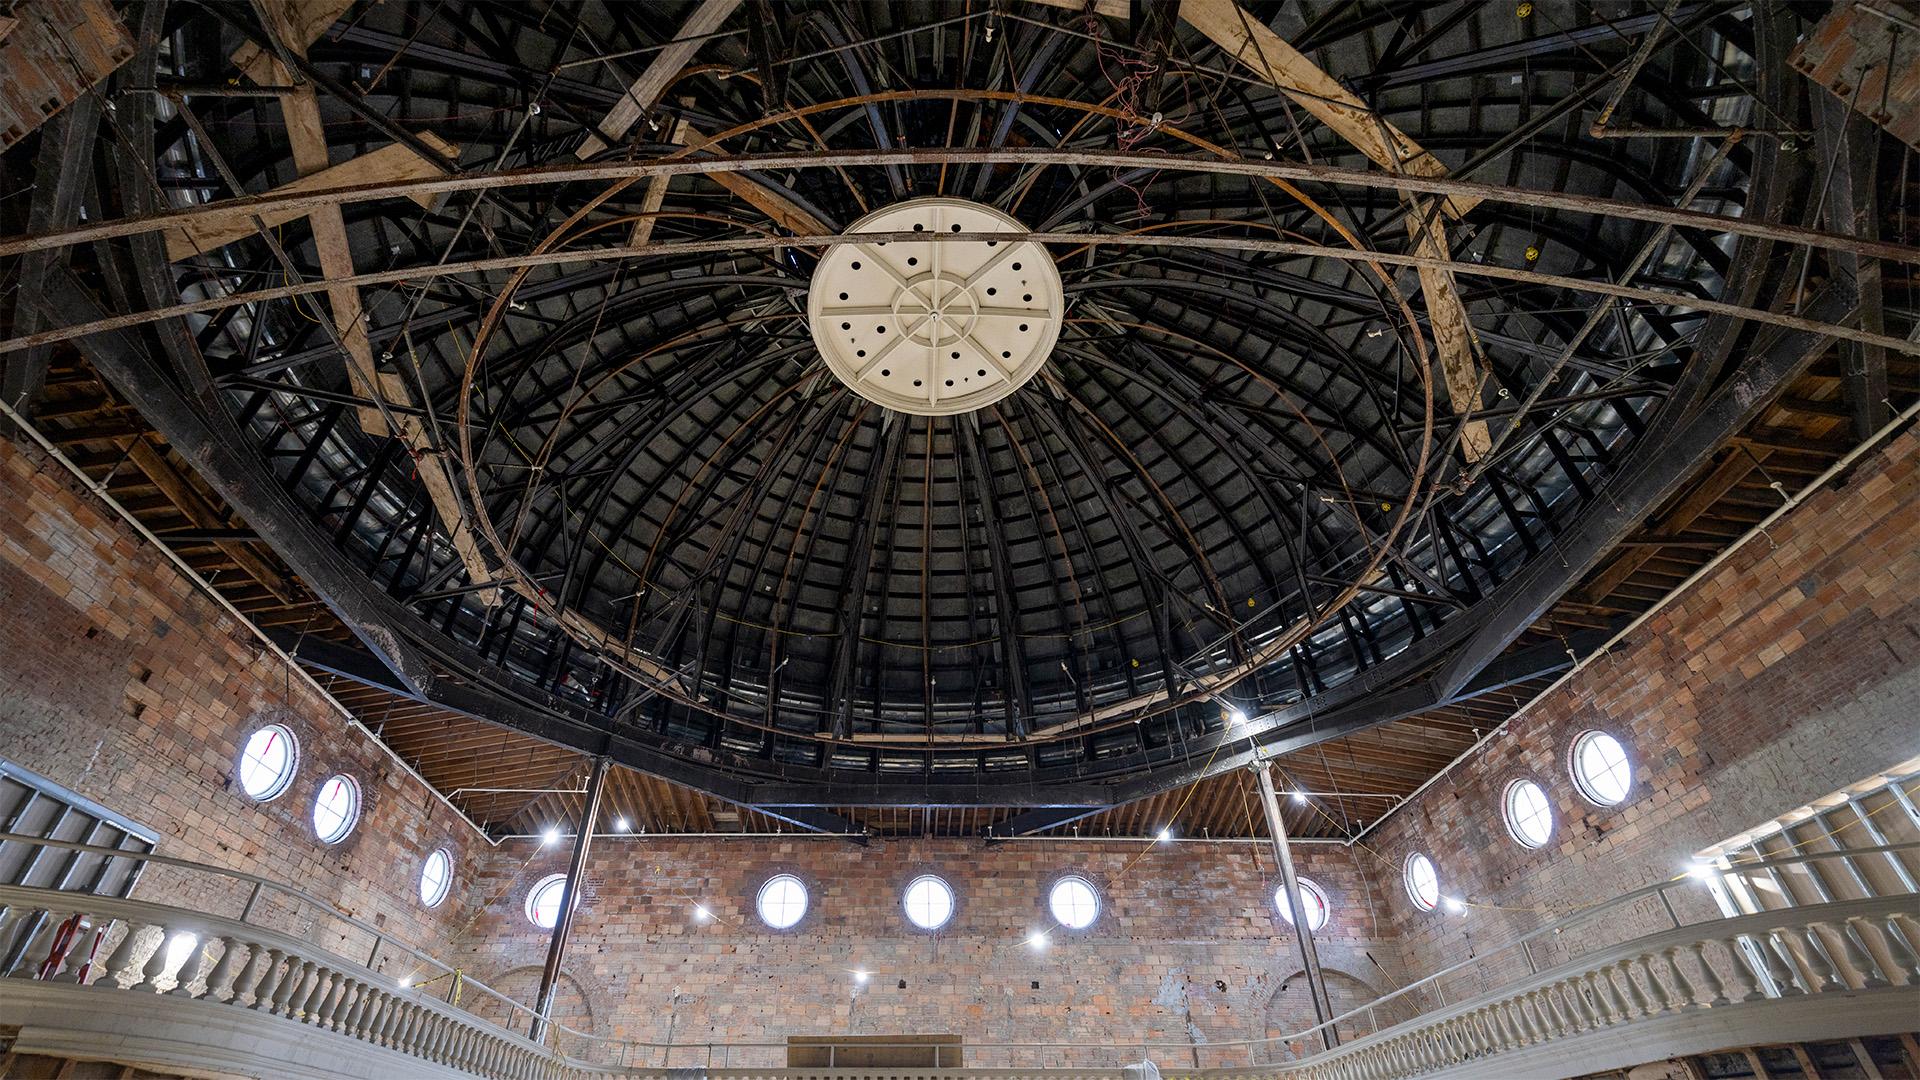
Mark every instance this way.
x=784 y=213
x=56 y=50
x=1452 y=333
x=660 y=73
x=1248 y=40
x=300 y=24
x=1112 y=9
x=392 y=162
x=181 y=492
x=1723 y=479
x=297 y=23
x=1256 y=47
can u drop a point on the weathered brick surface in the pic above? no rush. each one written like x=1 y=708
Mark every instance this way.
x=1787 y=673
x=1188 y=945
x=122 y=682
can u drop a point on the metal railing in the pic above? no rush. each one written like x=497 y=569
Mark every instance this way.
x=1642 y=972
x=1562 y=942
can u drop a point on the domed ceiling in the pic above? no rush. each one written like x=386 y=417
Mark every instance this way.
x=650 y=377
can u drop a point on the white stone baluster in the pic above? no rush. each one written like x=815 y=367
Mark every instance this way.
x=354 y=1015
x=1607 y=995
x=307 y=1009
x=1637 y=1004
x=439 y=1030
x=156 y=963
x=458 y=1045
x=224 y=969
x=1715 y=988
x=343 y=1011
x=372 y=1013
x=120 y=965
x=271 y=975
x=1825 y=976
x=288 y=991
x=1658 y=1000
x=1517 y=1023
x=248 y=984
x=1745 y=978
x=1565 y=1020
x=1892 y=931
x=391 y=1009
x=1853 y=943
x=403 y=1032
x=39 y=948
x=333 y=1008
x=1575 y=992
x=1780 y=966
x=189 y=969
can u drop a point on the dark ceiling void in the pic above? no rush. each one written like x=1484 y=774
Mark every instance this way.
x=1404 y=353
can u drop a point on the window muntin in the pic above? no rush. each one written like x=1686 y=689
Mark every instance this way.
x=436 y=877
x=928 y=902
x=782 y=901
x=543 y=900
x=1529 y=815
x=1423 y=882
x=268 y=762
x=336 y=810
x=1600 y=768
x=1074 y=902
x=1312 y=898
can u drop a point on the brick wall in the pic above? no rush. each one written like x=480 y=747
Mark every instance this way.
x=1788 y=672
x=1188 y=945
x=121 y=681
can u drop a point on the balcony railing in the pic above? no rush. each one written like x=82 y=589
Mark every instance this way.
x=1843 y=968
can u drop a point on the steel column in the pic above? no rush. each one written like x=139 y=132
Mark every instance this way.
x=563 y=922
x=1303 y=934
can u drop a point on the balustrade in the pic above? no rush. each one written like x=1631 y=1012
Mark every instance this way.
x=1861 y=946
x=180 y=955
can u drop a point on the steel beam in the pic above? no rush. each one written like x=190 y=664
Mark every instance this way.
x=1653 y=474
x=1302 y=927
x=569 y=896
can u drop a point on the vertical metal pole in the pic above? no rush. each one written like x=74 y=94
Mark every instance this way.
x=563 y=922
x=1303 y=934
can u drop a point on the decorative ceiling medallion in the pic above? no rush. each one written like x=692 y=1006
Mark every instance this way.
x=936 y=327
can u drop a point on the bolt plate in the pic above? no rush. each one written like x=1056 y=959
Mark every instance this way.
x=940 y=327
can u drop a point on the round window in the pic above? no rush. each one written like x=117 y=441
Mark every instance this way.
x=543 y=900
x=929 y=902
x=1529 y=817
x=337 y=809
x=1423 y=884
x=1600 y=768
x=782 y=901
x=1074 y=903
x=436 y=877
x=267 y=762
x=1312 y=898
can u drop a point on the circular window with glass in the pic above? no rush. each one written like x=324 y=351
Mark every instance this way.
x=1529 y=817
x=929 y=902
x=1074 y=903
x=267 y=762
x=543 y=900
x=1600 y=768
x=436 y=877
x=1313 y=900
x=782 y=901
x=337 y=809
x=1423 y=884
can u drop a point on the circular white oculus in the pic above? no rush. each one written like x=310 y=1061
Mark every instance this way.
x=935 y=327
